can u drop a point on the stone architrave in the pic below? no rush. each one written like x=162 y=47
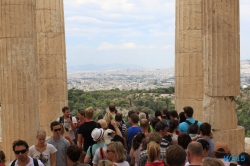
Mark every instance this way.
x=52 y=77
x=221 y=57
x=189 y=73
x=18 y=78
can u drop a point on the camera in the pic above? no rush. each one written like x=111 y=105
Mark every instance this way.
x=66 y=129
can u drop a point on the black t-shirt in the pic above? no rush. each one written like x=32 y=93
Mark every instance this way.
x=85 y=129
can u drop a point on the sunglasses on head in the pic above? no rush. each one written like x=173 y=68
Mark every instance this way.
x=20 y=151
x=56 y=130
x=109 y=151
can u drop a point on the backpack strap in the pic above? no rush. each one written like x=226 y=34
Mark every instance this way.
x=13 y=162
x=91 y=156
x=70 y=117
x=196 y=122
x=61 y=120
x=187 y=121
x=35 y=162
x=101 y=153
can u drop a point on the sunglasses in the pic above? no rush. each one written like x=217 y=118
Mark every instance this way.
x=109 y=151
x=56 y=130
x=20 y=151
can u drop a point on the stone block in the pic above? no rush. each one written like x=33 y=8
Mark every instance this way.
x=220 y=112
x=233 y=137
x=247 y=145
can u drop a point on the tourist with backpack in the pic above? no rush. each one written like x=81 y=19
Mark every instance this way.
x=21 y=150
x=97 y=135
x=69 y=122
x=184 y=126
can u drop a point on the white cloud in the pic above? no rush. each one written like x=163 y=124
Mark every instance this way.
x=114 y=5
x=130 y=45
x=129 y=31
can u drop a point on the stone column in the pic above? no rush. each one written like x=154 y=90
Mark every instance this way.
x=18 y=67
x=188 y=57
x=52 y=76
x=221 y=54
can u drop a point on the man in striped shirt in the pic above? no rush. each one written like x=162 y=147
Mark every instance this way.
x=162 y=128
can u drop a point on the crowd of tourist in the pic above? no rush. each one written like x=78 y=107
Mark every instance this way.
x=167 y=139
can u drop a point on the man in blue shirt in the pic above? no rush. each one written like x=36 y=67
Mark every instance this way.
x=183 y=127
x=134 y=129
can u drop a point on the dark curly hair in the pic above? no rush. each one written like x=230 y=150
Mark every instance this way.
x=19 y=143
x=73 y=152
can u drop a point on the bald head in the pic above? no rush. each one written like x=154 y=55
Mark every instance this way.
x=144 y=123
x=195 y=148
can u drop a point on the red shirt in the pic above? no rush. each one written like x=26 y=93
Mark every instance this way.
x=158 y=163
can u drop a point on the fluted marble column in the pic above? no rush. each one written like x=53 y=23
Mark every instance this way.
x=188 y=57
x=51 y=52
x=18 y=68
x=221 y=54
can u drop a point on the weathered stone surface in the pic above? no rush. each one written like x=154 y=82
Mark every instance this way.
x=52 y=77
x=247 y=145
x=221 y=47
x=18 y=79
x=233 y=137
x=221 y=60
x=188 y=57
x=220 y=112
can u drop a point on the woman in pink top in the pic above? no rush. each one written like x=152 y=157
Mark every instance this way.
x=136 y=148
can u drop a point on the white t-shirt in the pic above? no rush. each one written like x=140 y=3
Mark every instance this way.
x=67 y=125
x=45 y=157
x=30 y=163
x=124 y=163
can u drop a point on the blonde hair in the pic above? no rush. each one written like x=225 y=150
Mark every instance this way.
x=103 y=123
x=105 y=163
x=118 y=149
x=89 y=112
x=108 y=117
x=153 y=151
x=155 y=136
x=62 y=129
x=41 y=132
x=207 y=161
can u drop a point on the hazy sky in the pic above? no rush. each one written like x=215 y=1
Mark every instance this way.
x=137 y=32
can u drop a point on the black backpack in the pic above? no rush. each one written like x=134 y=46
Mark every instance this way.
x=193 y=126
x=34 y=161
x=61 y=120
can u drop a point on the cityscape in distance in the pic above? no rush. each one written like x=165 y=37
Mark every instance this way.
x=130 y=77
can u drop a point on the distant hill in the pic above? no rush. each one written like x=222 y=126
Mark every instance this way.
x=93 y=67
x=245 y=67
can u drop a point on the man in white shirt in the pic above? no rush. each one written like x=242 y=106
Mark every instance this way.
x=21 y=150
x=69 y=122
